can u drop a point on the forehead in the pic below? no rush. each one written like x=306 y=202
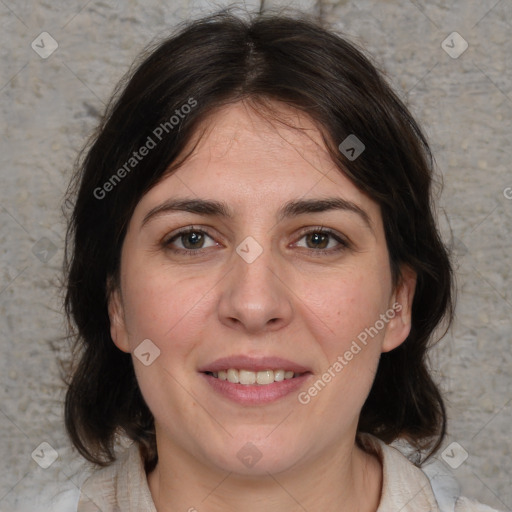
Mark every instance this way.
x=250 y=158
x=242 y=126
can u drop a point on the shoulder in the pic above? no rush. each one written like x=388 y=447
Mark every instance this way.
x=120 y=486
x=466 y=505
x=411 y=488
x=92 y=488
x=446 y=489
x=66 y=501
x=53 y=497
x=404 y=486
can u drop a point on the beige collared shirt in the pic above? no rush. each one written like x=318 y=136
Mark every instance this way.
x=123 y=486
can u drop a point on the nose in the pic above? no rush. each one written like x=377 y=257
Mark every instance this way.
x=255 y=297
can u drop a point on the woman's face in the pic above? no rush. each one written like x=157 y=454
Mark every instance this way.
x=257 y=249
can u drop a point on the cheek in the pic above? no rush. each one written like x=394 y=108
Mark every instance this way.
x=170 y=311
x=340 y=316
x=159 y=305
x=343 y=306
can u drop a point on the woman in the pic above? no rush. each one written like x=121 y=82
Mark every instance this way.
x=254 y=276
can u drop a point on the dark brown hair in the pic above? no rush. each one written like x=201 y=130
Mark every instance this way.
x=260 y=58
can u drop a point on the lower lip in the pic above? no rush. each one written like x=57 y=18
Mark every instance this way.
x=255 y=394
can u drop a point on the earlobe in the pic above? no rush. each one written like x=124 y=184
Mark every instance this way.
x=399 y=326
x=116 y=315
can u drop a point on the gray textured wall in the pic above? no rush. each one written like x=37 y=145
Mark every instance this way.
x=49 y=105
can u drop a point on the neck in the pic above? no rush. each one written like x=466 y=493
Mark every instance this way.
x=346 y=479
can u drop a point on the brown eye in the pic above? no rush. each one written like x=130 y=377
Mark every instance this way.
x=317 y=240
x=322 y=241
x=190 y=240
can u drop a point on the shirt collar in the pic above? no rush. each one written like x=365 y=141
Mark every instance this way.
x=405 y=487
x=123 y=486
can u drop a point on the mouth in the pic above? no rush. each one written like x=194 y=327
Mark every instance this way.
x=259 y=378
x=253 y=380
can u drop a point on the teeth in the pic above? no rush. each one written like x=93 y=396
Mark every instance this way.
x=248 y=377
x=279 y=375
x=266 y=377
x=232 y=376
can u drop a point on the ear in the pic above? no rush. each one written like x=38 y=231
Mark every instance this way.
x=118 y=331
x=399 y=326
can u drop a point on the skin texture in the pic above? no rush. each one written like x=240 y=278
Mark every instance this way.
x=290 y=302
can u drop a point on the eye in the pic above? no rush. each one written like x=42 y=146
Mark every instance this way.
x=189 y=240
x=322 y=240
x=192 y=240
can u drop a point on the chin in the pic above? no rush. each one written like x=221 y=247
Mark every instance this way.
x=256 y=458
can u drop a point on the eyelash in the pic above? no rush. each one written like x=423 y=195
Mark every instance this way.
x=343 y=243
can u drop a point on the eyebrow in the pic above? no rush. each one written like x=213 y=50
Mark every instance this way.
x=294 y=208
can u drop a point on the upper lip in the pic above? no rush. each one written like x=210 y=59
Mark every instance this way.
x=255 y=364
